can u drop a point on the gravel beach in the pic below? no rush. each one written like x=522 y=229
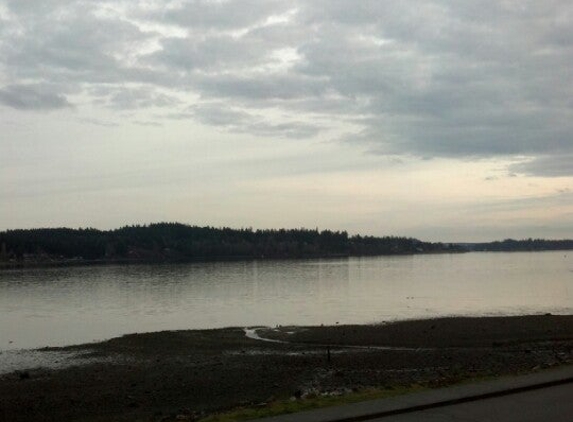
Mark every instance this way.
x=185 y=375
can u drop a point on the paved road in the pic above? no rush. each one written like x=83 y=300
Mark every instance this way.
x=550 y=404
x=544 y=396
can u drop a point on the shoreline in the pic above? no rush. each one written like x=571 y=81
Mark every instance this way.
x=65 y=263
x=159 y=376
x=22 y=265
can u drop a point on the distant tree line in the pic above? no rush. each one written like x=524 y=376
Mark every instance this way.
x=509 y=245
x=179 y=242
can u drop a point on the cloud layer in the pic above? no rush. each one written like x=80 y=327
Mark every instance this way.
x=437 y=79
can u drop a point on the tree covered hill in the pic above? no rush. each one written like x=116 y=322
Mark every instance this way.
x=179 y=242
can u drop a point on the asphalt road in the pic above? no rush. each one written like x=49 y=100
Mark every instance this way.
x=550 y=404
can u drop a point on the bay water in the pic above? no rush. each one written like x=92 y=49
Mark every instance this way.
x=72 y=305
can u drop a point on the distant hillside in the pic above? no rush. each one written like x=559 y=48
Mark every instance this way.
x=509 y=245
x=179 y=242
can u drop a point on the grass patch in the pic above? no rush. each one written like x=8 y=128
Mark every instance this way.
x=285 y=406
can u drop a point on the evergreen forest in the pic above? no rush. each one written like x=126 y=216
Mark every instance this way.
x=180 y=242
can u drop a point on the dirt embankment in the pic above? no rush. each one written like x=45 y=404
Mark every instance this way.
x=160 y=376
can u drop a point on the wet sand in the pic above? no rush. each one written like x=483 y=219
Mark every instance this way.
x=174 y=375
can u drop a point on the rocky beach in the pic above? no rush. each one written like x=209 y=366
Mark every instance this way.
x=189 y=375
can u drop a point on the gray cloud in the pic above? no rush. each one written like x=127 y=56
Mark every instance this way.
x=293 y=130
x=218 y=52
x=125 y=98
x=32 y=97
x=219 y=114
x=99 y=122
x=69 y=43
x=259 y=88
x=208 y=15
x=548 y=166
x=439 y=78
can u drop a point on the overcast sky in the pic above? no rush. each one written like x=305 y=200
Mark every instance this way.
x=441 y=120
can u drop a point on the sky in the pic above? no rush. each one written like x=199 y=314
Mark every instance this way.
x=440 y=120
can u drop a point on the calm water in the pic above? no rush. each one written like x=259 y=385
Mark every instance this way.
x=61 y=306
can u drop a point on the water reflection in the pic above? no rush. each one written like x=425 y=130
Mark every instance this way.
x=74 y=305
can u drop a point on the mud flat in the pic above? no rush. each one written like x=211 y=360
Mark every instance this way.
x=178 y=375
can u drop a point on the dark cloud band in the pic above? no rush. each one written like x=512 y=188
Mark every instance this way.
x=441 y=78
